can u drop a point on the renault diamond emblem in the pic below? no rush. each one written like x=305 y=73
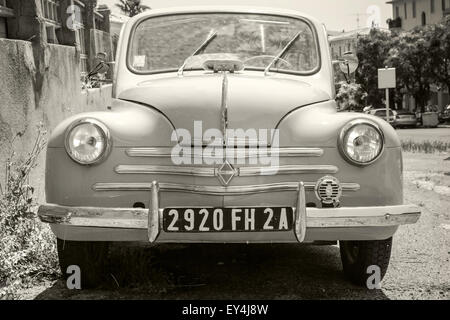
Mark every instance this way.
x=225 y=173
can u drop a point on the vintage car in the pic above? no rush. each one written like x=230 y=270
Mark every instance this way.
x=223 y=129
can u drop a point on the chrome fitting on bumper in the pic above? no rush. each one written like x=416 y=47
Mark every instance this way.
x=150 y=220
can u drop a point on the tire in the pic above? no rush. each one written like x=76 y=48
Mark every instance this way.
x=357 y=256
x=91 y=257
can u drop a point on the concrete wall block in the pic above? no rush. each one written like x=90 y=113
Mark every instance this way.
x=60 y=97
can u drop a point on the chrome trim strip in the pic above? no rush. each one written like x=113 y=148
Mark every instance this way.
x=288 y=169
x=215 y=190
x=230 y=152
x=211 y=172
x=171 y=170
x=224 y=107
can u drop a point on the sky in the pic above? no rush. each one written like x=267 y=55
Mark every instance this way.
x=337 y=15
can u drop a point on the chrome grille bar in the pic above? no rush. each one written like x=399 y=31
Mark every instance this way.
x=242 y=153
x=215 y=190
x=211 y=172
x=289 y=169
x=171 y=170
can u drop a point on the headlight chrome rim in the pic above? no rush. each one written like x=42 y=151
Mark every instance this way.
x=104 y=131
x=350 y=125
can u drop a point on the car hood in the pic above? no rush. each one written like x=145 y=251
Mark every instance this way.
x=253 y=101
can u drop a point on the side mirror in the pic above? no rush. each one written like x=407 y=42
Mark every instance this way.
x=101 y=66
x=348 y=64
x=100 y=69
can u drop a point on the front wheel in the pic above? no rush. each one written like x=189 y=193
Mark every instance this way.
x=90 y=257
x=358 y=256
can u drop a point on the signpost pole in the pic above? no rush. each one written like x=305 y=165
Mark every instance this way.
x=387 y=105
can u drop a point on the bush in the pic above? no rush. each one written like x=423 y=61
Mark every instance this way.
x=425 y=146
x=27 y=246
x=350 y=97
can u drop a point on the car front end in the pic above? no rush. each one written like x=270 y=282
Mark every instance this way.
x=204 y=145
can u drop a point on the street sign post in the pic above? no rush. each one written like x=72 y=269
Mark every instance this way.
x=387 y=80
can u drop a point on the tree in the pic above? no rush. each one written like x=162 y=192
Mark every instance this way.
x=373 y=50
x=131 y=7
x=409 y=55
x=350 y=97
x=438 y=37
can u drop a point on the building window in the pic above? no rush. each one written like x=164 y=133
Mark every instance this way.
x=443 y=5
x=349 y=47
x=414 y=9
x=80 y=38
x=5 y=13
x=432 y=6
x=52 y=19
x=340 y=51
x=397 y=12
x=405 y=6
x=424 y=19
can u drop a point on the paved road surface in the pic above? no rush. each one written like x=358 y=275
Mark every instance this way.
x=418 y=135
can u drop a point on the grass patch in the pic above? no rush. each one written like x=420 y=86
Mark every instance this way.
x=27 y=247
x=425 y=146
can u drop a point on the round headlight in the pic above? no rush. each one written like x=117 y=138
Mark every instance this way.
x=87 y=141
x=361 y=141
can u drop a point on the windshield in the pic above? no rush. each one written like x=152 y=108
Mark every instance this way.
x=167 y=42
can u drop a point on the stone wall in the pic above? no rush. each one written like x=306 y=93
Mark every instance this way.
x=27 y=99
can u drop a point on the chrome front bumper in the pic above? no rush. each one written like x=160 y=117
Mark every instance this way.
x=123 y=224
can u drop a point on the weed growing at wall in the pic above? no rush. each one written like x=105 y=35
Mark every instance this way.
x=27 y=246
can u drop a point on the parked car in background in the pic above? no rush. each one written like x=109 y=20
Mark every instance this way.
x=404 y=118
x=381 y=113
x=142 y=171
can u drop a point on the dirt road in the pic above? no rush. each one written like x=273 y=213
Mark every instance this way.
x=419 y=269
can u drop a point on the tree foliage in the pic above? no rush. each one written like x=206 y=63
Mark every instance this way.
x=131 y=7
x=438 y=37
x=409 y=55
x=373 y=51
x=421 y=58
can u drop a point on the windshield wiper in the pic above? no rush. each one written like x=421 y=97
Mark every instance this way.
x=202 y=47
x=282 y=52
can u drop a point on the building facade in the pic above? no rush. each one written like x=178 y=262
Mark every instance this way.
x=346 y=41
x=65 y=22
x=408 y=14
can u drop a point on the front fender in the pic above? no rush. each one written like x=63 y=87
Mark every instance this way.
x=130 y=124
x=319 y=125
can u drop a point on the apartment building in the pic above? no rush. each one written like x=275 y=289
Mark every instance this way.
x=408 y=14
x=55 y=25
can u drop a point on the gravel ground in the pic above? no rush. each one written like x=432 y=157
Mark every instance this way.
x=419 y=267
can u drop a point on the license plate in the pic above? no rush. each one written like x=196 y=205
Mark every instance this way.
x=227 y=219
